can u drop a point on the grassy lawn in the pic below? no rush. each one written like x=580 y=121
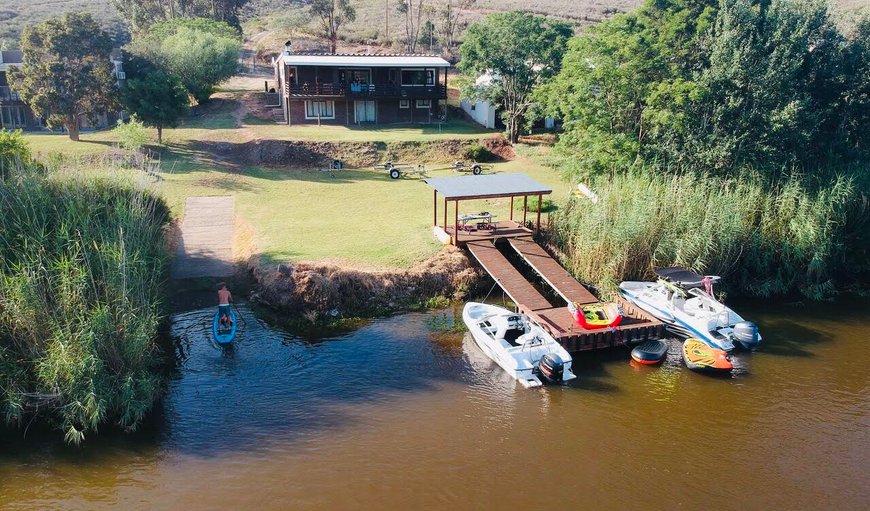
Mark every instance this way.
x=356 y=216
x=90 y=143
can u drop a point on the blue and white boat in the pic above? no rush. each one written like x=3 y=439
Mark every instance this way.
x=683 y=301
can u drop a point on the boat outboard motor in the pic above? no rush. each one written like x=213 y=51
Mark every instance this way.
x=551 y=367
x=746 y=334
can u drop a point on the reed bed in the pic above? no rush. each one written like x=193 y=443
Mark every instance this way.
x=764 y=239
x=82 y=274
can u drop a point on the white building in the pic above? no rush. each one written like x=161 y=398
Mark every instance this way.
x=485 y=113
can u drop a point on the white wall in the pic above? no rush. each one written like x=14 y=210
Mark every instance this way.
x=482 y=112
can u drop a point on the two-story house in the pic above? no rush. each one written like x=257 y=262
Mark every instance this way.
x=349 y=89
x=15 y=114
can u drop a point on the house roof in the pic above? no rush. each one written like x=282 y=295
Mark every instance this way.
x=487 y=185
x=363 y=60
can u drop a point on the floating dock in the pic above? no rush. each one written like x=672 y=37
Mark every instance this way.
x=489 y=246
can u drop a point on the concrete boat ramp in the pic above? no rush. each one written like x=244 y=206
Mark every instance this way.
x=206 y=246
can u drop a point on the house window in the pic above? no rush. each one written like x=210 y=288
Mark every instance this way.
x=424 y=103
x=320 y=109
x=418 y=77
x=404 y=103
x=12 y=117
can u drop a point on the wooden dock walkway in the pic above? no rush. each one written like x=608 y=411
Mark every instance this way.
x=206 y=247
x=509 y=278
x=552 y=272
x=636 y=325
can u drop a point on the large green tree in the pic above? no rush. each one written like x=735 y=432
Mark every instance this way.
x=201 y=53
x=333 y=14
x=66 y=73
x=518 y=52
x=156 y=97
x=697 y=84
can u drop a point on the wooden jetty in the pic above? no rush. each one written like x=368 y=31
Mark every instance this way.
x=487 y=246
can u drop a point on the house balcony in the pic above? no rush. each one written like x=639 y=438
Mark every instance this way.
x=365 y=91
x=8 y=95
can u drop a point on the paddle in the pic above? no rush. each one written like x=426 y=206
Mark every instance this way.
x=239 y=314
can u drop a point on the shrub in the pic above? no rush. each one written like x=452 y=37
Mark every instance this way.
x=14 y=152
x=476 y=152
x=132 y=135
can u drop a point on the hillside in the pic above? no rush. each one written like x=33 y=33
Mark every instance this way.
x=288 y=17
x=17 y=14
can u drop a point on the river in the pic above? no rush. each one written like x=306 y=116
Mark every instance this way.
x=400 y=414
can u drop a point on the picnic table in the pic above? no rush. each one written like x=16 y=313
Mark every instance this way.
x=485 y=224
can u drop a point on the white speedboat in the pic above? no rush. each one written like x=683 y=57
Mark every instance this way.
x=517 y=344
x=683 y=301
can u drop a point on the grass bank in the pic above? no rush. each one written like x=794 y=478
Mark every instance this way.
x=82 y=269
x=764 y=239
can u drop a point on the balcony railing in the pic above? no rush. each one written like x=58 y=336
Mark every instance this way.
x=374 y=90
x=7 y=94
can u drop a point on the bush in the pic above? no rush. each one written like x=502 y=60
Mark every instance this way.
x=762 y=239
x=82 y=267
x=132 y=135
x=14 y=152
x=478 y=153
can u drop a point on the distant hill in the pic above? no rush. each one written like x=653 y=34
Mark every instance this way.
x=369 y=26
x=17 y=14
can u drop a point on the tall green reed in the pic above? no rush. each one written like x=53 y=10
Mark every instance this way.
x=81 y=281
x=764 y=238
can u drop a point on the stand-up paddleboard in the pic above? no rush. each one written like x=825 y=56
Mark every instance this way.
x=650 y=352
x=701 y=357
x=224 y=336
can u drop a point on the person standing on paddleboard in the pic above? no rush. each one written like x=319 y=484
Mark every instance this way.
x=224 y=299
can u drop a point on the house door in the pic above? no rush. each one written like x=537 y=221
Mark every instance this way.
x=364 y=111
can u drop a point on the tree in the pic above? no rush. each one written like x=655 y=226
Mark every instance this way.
x=141 y=14
x=427 y=35
x=66 y=73
x=413 y=19
x=333 y=14
x=452 y=21
x=695 y=84
x=155 y=96
x=517 y=52
x=201 y=53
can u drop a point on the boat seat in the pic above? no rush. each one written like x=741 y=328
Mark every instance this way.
x=526 y=338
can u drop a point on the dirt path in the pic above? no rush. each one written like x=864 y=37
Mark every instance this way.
x=206 y=246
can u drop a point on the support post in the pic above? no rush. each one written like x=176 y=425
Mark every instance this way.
x=456 y=221
x=435 y=208
x=445 y=214
x=512 y=207
x=525 y=208
x=346 y=112
x=540 y=206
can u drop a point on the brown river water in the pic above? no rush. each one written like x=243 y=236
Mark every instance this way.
x=400 y=415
